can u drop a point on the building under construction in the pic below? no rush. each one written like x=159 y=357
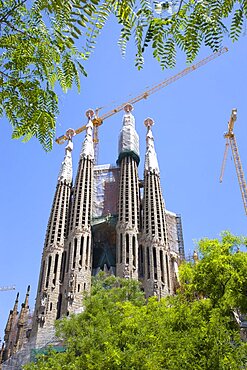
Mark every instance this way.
x=108 y=220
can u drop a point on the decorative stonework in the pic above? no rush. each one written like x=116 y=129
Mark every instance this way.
x=128 y=138
x=65 y=173
x=87 y=150
x=151 y=162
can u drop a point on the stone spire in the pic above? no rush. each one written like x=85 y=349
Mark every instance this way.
x=76 y=274
x=129 y=199
x=13 y=313
x=1 y=354
x=21 y=336
x=24 y=307
x=9 y=333
x=151 y=162
x=65 y=173
x=128 y=143
x=87 y=150
x=155 y=259
x=48 y=299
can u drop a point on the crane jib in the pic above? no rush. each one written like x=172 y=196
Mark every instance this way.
x=147 y=93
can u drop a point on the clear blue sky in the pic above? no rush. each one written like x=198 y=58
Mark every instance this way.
x=190 y=116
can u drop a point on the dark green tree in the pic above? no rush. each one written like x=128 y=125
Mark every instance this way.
x=196 y=329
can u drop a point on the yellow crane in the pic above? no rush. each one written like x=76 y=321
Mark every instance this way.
x=97 y=121
x=231 y=141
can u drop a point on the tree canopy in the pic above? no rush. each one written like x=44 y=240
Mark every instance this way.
x=195 y=329
x=39 y=42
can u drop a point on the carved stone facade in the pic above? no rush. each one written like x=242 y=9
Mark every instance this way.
x=118 y=224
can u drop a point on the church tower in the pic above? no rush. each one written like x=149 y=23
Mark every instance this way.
x=48 y=299
x=109 y=220
x=154 y=252
x=76 y=271
x=22 y=323
x=9 y=337
x=129 y=199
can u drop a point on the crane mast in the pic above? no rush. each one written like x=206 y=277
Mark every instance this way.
x=97 y=121
x=231 y=140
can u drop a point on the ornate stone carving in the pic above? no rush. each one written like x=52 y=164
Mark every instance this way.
x=151 y=162
x=126 y=272
x=66 y=168
x=156 y=289
x=41 y=319
x=87 y=150
x=43 y=300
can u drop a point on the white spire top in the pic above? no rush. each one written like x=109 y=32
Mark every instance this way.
x=66 y=168
x=151 y=162
x=128 y=139
x=87 y=150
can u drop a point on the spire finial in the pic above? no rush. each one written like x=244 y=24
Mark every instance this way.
x=16 y=302
x=151 y=162
x=128 y=108
x=65 y=173
x=17 y=297
x=149 y=122
x=70 y=133
x=87 y=150
x=90 y=114
x=27 y=296
x=128 y=143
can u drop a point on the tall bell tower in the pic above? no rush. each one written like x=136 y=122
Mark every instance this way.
x=77 y=268
x=129 y=199
x=48 y=298
x=155 y=253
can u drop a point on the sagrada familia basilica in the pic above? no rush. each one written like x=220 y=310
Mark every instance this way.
x=107 y=220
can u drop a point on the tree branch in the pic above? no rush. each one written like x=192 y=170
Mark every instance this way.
x=13 y=27
x=5 y=16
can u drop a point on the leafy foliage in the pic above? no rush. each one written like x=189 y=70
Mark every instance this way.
x=221 y=274
x=193 y=330
x=40 y=49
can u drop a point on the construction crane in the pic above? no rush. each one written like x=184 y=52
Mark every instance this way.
x=4 y=288
x=97 y=121
x=231 y=141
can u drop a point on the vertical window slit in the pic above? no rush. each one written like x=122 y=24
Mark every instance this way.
x=48 y=272
x=134 y=250
x=55 y=269
x=121 y=248
x=68 y=258
x=148 y=262
x=168 y=273
x=42 y=276
x=127 y=248
x=75 y=252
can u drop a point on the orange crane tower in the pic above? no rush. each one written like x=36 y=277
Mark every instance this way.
x=97 y=121
x=231 y=140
